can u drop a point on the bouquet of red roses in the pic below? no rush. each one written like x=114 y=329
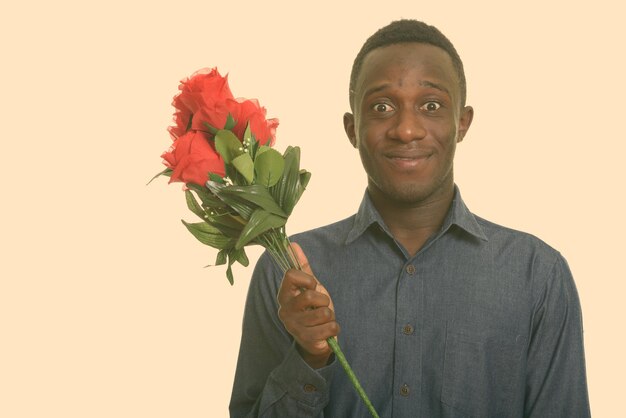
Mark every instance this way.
x=241 y=188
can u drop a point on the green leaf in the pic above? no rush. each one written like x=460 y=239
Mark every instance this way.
x=241 y=257
x=167 y=172
x=287 y=191
x=189 y=123
x=230 y=122
x=230 y=219
x=209 y=235
x=193 y=205
x=212 y=129
x=228 y=145
x=260 y=222
x=262 y=149
x=245 y=166
x=247 y=135
x=208 y=200
x=233 y=174
x=269 y=166
x=305 y=176
x=221 y=257
x=235 y=255
x=226 y=224
x=229 y=274
x=253 y=146
x=242 y=207
x=254 y=193
x=216 y=178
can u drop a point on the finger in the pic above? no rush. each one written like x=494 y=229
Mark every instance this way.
x=321 y=289
x=306 y=267
x=314 y=317
x=313 y=339
x=290 y=309
x=310 y=299
x=304 y=262
x=298 y=323
x=293 y=283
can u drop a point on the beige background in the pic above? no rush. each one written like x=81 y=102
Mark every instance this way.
x=105 y=307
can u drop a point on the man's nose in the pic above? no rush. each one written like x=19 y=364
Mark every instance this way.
x=408 y=126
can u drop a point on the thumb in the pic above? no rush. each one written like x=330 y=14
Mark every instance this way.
x=306 y=267
x=302 y=260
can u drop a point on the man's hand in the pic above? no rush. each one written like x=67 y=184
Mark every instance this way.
x=307 y=312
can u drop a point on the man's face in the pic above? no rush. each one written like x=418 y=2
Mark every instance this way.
x=407 y=120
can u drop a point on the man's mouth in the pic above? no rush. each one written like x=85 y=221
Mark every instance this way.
x=408 y=159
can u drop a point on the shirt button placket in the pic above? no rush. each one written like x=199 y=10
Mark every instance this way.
x=408 y=337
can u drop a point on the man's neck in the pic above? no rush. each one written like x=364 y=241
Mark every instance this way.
x=413 y=223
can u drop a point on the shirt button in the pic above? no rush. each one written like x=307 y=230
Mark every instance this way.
x=404 y=390
x=309 y=388
x=410 y=269
x=407 y=329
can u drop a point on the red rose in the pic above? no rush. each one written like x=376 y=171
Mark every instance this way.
x=192 y=157
x=244 y=111
x=203 y=95
x=205 y=98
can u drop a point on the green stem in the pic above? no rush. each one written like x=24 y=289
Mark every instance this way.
x=278 y=245
x=334 y=345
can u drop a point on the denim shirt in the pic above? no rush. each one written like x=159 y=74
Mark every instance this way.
x=483 y=321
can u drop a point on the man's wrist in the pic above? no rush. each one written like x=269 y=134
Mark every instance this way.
x=316 y=361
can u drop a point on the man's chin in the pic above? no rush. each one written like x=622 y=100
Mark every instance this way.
x=410 y=194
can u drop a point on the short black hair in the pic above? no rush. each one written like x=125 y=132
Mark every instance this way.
x=406 y=31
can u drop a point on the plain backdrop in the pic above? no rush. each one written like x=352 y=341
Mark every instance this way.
x=106 y=309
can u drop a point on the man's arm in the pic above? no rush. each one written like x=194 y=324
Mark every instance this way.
x=272 y=377
x=556 y=384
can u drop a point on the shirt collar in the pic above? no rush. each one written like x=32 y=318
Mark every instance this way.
x=458 y=215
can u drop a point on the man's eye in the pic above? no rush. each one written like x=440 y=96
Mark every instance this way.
x=430 y=106
x=382 y=107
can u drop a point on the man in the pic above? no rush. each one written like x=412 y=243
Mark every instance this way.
x=442 y=313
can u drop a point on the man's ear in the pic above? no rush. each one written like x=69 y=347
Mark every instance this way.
x=465 y=121
x=348 y=126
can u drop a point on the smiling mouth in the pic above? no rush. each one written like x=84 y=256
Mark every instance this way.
x=407 y=160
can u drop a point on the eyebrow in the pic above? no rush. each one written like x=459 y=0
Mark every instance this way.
x=376 y=89
x=439 y=87
x=423 y=83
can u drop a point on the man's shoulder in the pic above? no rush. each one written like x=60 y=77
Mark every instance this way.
x=502 y=238
x=319 y=244
x=333 y=234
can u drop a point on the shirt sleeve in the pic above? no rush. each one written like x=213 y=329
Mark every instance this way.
x=556 y=383
x=272 y=379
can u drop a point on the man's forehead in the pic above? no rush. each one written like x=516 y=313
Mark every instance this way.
x=407 y=53
x=428 y=59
